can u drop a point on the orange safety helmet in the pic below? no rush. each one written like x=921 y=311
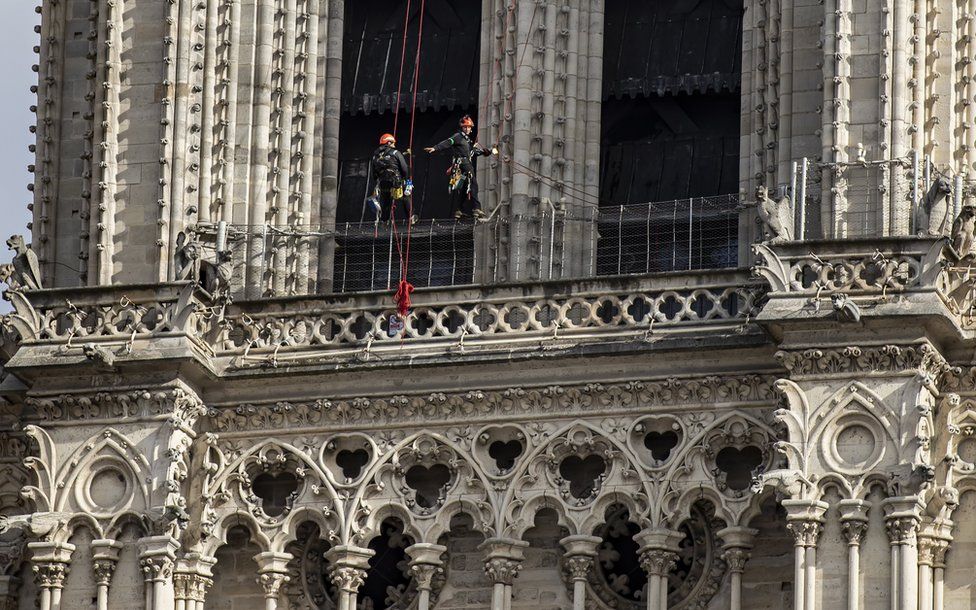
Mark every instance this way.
x=467 y=121
x=387 y=138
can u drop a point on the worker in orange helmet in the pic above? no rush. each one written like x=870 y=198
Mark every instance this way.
x=463 y=182
x=391 y=176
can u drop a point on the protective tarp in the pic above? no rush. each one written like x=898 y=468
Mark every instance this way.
x=677 y=46
x=373 y=48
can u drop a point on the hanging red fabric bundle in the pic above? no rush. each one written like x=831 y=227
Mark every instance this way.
x=402 y=298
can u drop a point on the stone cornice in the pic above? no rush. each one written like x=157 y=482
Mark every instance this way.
x=918 y=357
x=486 y=404
x=177 y=405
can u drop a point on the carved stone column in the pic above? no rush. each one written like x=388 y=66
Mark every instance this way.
x=105 y=555
x=581 y=550
x=425 y=564
x=736 y=544
x=933 y=541
x=902 y=521
x=805 y=519
x=658 y=554
x=193 y=579
x=50 y=564
x=938 y=565
x=157 y=556
x=348 y=566
x=503 y=560
x=272 y=574
x=854 y=523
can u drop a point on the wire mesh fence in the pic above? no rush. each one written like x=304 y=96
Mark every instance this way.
x=698 y=233
x=687 y=234
x=368 y=255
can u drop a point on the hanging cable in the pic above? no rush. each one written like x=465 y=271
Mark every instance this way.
x=403 y=55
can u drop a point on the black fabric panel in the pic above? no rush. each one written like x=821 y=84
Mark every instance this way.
x=661 y=149
x=661 y=47
x=373 y=48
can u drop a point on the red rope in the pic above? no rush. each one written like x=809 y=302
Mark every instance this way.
x=403 y=57
x=402 y=296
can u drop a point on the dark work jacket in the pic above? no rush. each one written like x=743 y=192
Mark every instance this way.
x=399 y=163
x=464 y=149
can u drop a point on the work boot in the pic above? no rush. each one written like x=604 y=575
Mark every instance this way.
x=478 y=214
x=458 y=215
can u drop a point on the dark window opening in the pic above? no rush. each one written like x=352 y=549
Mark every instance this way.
x=276 y=491
x=670 y=135
x=447 y=89
x=388 y=582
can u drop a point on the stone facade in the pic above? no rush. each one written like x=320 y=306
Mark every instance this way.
x=797 y=432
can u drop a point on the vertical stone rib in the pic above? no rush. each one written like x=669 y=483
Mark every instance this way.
x=231 y=85
x=89 y=154
x=771 y=125
x=210 y=113
x=164 y=203
x=330 y=141
x=307 y=119
x=260 y=153
x=181 y=133
x=884 y=115
x=900 y=101
x=841 y=108
x=48 y=147
x=784 y=146
x=283 y=76
x=969 y=89
x=594 y=103
x=110 y=39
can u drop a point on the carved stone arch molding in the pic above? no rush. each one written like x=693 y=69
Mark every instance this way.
x=424 y=481
x=14 y=476
x=856 y=432
x=718 y=462
x=269 y=482
x=578 y=471
x=107 y=475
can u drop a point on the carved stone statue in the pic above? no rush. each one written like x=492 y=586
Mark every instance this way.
x=777 y=216
x=26 y=269
x=847 y=310
x=932 y=216
x=212 y=277
x=215 y=277
x=964 y=232
x=187 y=257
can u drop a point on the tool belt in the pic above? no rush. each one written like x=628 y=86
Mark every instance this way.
x=459 y=179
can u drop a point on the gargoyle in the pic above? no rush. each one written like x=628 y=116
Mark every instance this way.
x=932 y=216
x=26 y=269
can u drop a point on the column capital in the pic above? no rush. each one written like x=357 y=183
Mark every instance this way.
x=658 y=562
x=503 y=558
x=805 y=519
x=580 y=551
x=902 y=518
x=105 y=556
x=193 y=576
x=272 y=571
x=658 y=550
x=854 y=520
x=348 y=566
x=50 y=561
x=157 y=556
x=737 y=541
x=426 y=563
